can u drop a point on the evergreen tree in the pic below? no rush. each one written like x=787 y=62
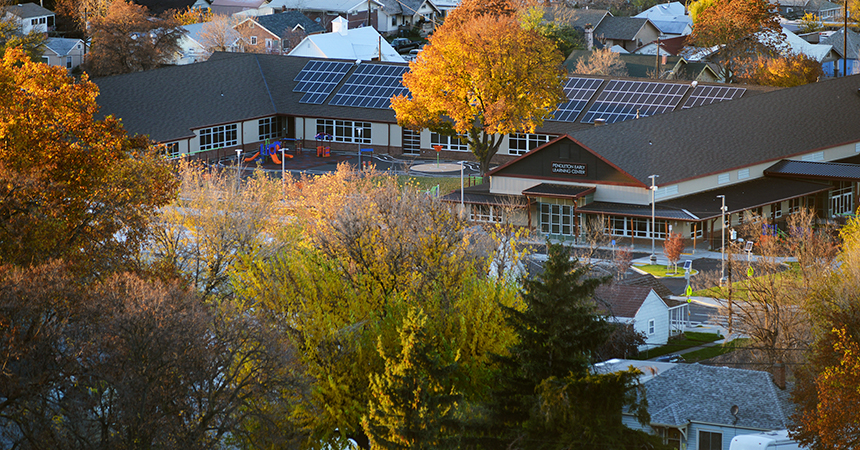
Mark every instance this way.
x=412 y=403
x=558 y=331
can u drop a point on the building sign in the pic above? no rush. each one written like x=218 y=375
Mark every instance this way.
x=569 y=168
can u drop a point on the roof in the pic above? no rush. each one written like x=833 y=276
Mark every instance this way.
x=620 y=300
x=363 y=43
x=837 y=41
x=625 y=28
x=338 y=6
x=815 y=170
x=557 y=191
x=278 y=23
x=669 y=18
x=729 y=135
x=649 y=281
x=799 y=45
x=638 y=66
x=480 y=195
x=706 y=394
x=28 y=10
x=61 y=46
x=582 y=17
x=405 y=7
x=167 y=103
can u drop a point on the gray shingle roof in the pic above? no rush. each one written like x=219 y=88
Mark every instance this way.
x=287 y=20
x=621 y=300
x=27 y=10
x=651 y=282
x=836 y=40
x=61 y=46
x=698 y=393
x=814 y=170
x=710 y=139
x=619 y=27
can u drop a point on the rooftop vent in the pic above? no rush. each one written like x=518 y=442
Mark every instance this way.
x=599 y=122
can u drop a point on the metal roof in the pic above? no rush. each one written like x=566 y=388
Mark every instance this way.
x=558 y=191
x=815 y=170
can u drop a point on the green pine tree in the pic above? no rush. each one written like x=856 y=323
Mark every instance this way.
x=412 y=403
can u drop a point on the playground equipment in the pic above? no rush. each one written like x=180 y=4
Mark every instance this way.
x=323 y=151
x=270 y=150
x=364 y=150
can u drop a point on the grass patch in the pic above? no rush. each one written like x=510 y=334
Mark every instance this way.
x=739 y=288
x=659 y=270
x=446 y=184
x=682 y=342
x=711 y=352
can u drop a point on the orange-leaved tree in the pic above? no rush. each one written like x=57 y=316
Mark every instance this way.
x=673 y=246
x=72 y=186
x=740 y=28
x=482 y=80
x=782 y=71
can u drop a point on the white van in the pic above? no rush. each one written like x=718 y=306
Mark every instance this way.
x=769 y=440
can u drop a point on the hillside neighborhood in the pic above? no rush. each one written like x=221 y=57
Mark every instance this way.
x=434 y=224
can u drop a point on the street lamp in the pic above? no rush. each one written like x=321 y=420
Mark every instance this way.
x=238 y=165
x=653 y=221
x=723 y=246
x=283 y=178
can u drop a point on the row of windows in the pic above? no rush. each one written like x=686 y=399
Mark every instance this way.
x=451 y=143
x=345 y=130
x=272 y=127
x=218 y=137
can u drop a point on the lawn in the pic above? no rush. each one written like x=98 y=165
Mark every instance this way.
x=711 y=352
x=687 y=340
x=739 y=289
x=659 y=270
x=446 y=184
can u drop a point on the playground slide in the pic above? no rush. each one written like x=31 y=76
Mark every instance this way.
x=275 y=158
x=256 y=155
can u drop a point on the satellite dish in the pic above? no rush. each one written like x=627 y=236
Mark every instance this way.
x=734 y=410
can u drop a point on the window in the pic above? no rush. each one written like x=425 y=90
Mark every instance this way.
x=411 y=142
x=253 y=40
x=393 y=21
x=268 y=44
x=817 y=156
x=776 y=209
x=170 y=150
x=345 y=130
x=743 y=174
x=724 y=178
x=272 y=127
x=34 y=21
x=68 y=62
x=652 y=327
x=841 y=198
x=486 y=213
x=519 y=144
x=46 y=60
x=794 y=205
x=448 y=142
x=666 y=191
x=557 y=219
x=217 y=137
x=710 y=440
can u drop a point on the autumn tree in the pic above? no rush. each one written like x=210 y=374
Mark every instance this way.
x=809 y=23
x=457 y=89
x=83 y=12
x=73 y=187
x=218 y=35
x=673 y=246
x=782 y=71
x=190 y=16
x=741 y=28
x=127 y=39
x=601 y=62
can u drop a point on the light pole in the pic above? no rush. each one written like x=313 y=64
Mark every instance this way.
x=723 y=245
x=462 y=165
x=283 y=178
x=238 y=165
x=653 y=221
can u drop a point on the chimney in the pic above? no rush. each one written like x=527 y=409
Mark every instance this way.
x=779 y=374
x=599 y=122
x=589 y=37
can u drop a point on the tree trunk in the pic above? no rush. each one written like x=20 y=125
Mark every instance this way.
x=484 y=147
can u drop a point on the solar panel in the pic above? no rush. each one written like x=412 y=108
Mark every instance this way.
x=621 y=100
x=318 y=78
x=371 y=86
x=705 y=95
x=578 y=91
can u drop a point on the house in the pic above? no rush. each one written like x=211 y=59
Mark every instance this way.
x=64 y=52
x=192 y=45
x=670 y=18
x=628 y=32
x=699 y=407
x=847 y=54
x=641 y=307
x=230 y=7
x=364 y=44
x=823 y=10
x=821 y=53
x=30 y=17
x=266 y=34
x=358 y=13
x=403 y=14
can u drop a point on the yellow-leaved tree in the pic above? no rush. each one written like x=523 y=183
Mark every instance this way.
x=782 y=71
x=480 y=80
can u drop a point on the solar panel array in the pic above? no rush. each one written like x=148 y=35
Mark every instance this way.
x=622 y=100
x=578 y=91
x=371 y=86
x=705 y=95
x=319 y=78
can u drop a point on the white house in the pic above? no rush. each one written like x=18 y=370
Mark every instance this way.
x=65 y=52
x=639 y=306
x=31 y=17
x=670 y=18
x=363 y=43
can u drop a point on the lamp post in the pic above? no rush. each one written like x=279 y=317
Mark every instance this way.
x=238 y=165
x=462 y=166
x=653 y=221
x=283 y=177
x=723 y=243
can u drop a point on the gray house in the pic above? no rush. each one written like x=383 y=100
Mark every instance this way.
x=698 y=407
